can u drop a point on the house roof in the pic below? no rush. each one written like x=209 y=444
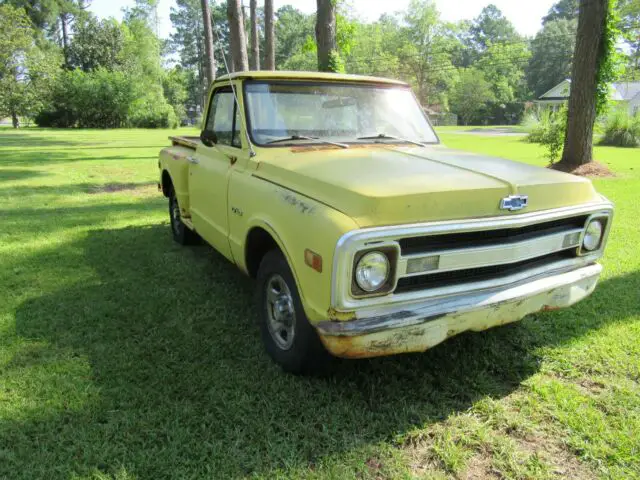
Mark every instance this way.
x=625 y=90
x=621 y=91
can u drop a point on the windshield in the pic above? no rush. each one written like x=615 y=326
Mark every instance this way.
x=286 y=112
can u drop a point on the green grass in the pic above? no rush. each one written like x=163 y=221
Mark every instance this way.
x=123 y=355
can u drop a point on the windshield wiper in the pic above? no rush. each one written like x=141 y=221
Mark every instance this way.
x=304 y=137
x=384 y=136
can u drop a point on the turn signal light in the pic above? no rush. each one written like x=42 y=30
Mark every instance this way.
x=313 y=260
x=423 y=264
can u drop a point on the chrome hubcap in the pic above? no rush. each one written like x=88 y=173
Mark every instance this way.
x=281 y=315
x=175 y=215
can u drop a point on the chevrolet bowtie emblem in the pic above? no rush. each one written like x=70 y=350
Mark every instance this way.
x=514 y=202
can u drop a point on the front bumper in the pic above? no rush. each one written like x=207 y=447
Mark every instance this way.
x=418 y=326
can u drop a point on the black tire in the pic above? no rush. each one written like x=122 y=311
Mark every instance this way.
x=305 y=354
x=181 y=233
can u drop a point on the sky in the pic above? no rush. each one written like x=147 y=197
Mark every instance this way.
x=526 y=15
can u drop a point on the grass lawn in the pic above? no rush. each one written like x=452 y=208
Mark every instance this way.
x=123 y=355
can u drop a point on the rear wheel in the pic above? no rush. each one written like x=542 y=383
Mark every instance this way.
x=288 y=337
x=181 y=233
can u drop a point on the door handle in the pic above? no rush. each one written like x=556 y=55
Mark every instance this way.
x=193 y=160
x=233 y=159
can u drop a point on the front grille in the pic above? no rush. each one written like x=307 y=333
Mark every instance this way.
x=459 y=277
x=483 y=238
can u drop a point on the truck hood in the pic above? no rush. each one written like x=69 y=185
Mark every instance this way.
x=386 y=185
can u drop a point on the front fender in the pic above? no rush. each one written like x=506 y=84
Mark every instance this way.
x=296 y=223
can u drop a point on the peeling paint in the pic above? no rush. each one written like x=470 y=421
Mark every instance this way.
x=334 y=315
x=302 y=206
x=414 y=330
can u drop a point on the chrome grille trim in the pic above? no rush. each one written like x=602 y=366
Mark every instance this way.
x=350 y=243
x=463 y=258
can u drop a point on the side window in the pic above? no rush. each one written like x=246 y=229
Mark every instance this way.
x=224 y=119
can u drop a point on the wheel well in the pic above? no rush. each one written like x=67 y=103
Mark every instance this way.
x=258 y=243
x=167 y=184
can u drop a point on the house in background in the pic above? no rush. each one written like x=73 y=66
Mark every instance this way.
x=622 y=93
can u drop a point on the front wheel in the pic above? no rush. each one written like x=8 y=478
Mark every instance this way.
x=288 y=337
x=181 y=233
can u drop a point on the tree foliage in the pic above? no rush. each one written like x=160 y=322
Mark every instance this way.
x=27 y=71
x=438 y=58
x=551 y=55
x=471 y=95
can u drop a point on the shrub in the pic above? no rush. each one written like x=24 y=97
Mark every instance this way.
x=152 y=112
x=98 y=99
x=547 y=128
x=621 y=129
x=106 y=99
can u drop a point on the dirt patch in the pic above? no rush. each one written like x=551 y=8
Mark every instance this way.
x=591 y=169
x=563 y=463
x=479 y=467
x=119 y=187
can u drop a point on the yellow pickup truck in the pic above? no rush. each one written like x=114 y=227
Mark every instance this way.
x=367 y=236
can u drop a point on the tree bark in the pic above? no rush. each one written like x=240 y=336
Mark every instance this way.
x=210 y=61
x=578 y=142
x=326 y=33
x=255 y=40
x=237 y=37
x=15 y=120
x=65 y=38
x=269 y=36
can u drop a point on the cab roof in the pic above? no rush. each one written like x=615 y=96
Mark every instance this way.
x=291 y=75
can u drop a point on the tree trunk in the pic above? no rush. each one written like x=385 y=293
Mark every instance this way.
x=65 y=38
x=255 y=40
x=326 y=34
x=15 y=120
x=578 y=142
x=210 y=61
x=269 y=36
x=237 y=36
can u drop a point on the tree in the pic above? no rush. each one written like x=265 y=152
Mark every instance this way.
x=470 y=95
x=254 y=58
x=423 y=50
x=269 y=34
x=174 y=85
x=629 y=12
x=210 y=63
x=326 y=39
x=590 y=56
x=237 y=36
x=563 y=10
x=492 y=26
x=503 y=67
x=294 y=30
x=551 y=55
x=26 y=70
x=96 y=44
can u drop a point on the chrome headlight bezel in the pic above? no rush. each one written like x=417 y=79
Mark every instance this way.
x=605 y=223
x=390 y=253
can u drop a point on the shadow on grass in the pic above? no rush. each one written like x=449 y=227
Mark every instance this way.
x=11 y=139
x=7 y=175
x=69 y=189
x=182 y=389
x=38 y=157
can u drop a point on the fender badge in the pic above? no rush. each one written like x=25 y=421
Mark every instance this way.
x=514 y=202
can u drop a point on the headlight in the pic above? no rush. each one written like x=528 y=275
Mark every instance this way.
x=593 y=235
x=372 y=271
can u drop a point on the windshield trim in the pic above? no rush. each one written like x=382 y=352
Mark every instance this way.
x=363 y=84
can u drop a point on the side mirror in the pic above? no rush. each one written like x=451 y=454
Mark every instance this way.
x=208 y=138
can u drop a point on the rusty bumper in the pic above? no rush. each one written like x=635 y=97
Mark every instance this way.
x=419 y=326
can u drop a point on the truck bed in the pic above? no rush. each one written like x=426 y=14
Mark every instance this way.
x=185 y=141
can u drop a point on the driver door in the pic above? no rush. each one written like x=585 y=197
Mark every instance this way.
x=210 y=170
